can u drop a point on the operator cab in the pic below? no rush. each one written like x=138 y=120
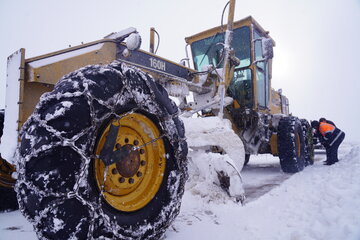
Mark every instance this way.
x=250 y=85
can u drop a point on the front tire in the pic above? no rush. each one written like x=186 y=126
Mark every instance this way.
x=65 y=190
x=291 y=145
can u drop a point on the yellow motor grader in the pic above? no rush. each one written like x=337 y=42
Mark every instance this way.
x=99 y=146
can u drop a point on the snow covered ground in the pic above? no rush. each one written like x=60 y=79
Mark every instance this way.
x=321 y=202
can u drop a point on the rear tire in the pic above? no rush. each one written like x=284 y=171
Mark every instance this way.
x=291 y=145
x=58 y=186
x=2 y=117
x=247 y=159
x=309 y=142
x=8 y=200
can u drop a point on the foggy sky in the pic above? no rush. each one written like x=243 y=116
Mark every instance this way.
x=315 y=59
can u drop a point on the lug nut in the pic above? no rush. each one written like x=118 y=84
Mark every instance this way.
x=121 y=180
x=131 y=180
x=138 y=174
x=126 y=140
x=136 y=142
x=143 y=163
x=114 y=171
x=117 y=146
x=142 y=151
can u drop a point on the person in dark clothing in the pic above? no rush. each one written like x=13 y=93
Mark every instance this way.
x=330 y=137
x=326 y=121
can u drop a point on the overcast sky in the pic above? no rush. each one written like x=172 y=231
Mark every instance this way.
x=317 y=51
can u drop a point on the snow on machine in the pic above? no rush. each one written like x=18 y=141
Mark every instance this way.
x=103 y=152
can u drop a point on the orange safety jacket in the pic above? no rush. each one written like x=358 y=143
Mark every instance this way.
x=325 y=128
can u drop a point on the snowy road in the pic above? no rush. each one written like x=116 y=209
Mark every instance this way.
x=321 y=202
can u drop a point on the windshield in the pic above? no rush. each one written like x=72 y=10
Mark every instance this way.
x=208 y=51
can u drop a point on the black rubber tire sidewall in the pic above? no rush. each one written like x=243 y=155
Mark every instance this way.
x=247 y=159
x=290 y=161
x=8 y=200
x=309 y=142
x=2 y=118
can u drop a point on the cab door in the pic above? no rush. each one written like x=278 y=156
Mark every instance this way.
x=261 y=72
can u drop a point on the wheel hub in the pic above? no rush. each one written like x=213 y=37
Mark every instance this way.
x=130 y=170
x=129 y=165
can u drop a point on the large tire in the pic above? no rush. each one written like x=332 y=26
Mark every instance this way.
x=2 y=117
x=64 y=188
x=291 y=145
x=247 y=159
x=309 y=142
x=8 y=200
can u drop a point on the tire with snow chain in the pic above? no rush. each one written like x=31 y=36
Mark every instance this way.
x=67 y=191
x=247 y=159
x=8 y=201
x=291 y=145
x=309 y=143
x=2 y=117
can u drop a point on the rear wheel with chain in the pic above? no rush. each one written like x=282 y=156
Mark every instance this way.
x=247 y=159
x=291 y=145
x=309 y=142
x=8 y=201
x=103 y=155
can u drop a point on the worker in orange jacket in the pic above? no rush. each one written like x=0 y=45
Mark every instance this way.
x=330 y=137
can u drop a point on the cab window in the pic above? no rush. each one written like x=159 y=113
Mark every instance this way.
x=262 y=73
x=241 y=87
x=208 y=51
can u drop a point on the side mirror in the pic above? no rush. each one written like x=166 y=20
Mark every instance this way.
x=267 y=47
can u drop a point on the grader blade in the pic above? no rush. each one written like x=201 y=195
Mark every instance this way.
x=215 y=135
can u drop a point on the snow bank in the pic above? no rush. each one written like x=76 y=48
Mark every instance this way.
x=319 y=203
x=201 y=132
x=322 y=202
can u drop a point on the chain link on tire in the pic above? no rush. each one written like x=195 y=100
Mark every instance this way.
x=56 y=188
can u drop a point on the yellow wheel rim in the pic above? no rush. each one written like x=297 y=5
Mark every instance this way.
x=132 y=182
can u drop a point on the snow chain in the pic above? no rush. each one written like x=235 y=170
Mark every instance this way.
x=94 y=207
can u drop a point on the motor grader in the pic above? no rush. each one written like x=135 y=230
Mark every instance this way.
x=99 y=146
